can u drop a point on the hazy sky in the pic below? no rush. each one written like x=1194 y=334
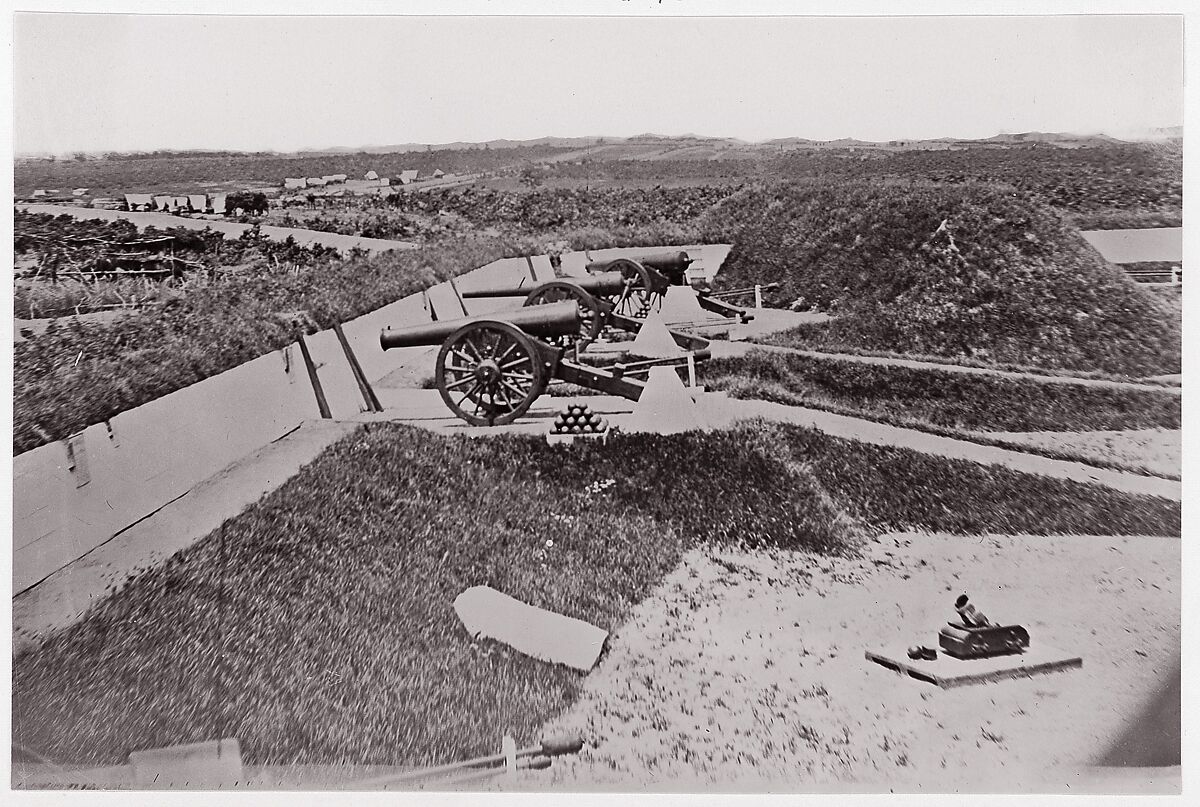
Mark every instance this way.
x=120 y=82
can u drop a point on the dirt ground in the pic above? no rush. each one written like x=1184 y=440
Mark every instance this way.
x=746 y=671
x=1159 y=451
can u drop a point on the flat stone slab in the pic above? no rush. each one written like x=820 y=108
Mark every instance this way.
x=948 y=672
x=533 y=631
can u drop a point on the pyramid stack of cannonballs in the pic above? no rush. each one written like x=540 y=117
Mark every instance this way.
x=578 y=419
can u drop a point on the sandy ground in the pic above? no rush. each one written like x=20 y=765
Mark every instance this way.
x=746 y=671
x=1159 y=451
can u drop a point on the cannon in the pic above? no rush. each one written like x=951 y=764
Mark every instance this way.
x=671 y=265
x=491 y=368
x=649 y=277
x=598 y=298
x=617 y=298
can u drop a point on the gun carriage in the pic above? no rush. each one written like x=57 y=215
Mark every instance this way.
x=491 y=368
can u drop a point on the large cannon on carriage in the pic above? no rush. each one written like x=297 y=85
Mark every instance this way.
x=491 y=368
x=617 y=292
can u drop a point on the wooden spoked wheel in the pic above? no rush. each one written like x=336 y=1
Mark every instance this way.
x=489 y=373
x=591 y=320
x=638 y=298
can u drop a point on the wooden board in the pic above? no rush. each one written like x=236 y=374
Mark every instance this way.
x=533 y=631
x=946 y=671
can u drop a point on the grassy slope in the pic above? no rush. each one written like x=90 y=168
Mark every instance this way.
x=945 y=403
x=331 y=598
x=898 y=489
x=77 y=374
x=943 y=398
x=1017 y=285
x=335 y=608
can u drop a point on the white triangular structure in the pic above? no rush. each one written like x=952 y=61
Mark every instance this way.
x=535 y=632
x=654 y=341
x=666 y=406
x=679 y=305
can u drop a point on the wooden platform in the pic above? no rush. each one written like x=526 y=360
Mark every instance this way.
x=946 y=671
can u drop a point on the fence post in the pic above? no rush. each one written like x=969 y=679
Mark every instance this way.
x=757 y=295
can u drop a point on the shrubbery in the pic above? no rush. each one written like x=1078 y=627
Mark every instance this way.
x=971 y=270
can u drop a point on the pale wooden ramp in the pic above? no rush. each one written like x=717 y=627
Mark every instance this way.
x=533 y=631
x=948 y=672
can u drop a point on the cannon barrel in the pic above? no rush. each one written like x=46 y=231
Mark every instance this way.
x=553 y=319
x=598 y=285
x=671 y=264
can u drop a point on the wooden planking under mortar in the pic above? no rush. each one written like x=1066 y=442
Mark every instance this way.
x=947 y=672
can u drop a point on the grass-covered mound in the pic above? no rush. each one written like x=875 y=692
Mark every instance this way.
x=889 y=488
x=951 y=404
x=331 y=599
x=969 y=270
x=978 y=402
x=318 y=625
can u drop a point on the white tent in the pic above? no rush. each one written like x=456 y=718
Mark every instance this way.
x=162 y=202
x=198 y=201
x=217 y=201
x=371 y=175
x=317 y=182
x=408 y=177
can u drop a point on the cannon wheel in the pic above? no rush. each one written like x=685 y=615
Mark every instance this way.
x=591 y=320
x=490 y=372
x=637 y=299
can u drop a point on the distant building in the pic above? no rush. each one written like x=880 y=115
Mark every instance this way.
x=316 y=182
x=371 y=175
x=331 y=179
x=384 y=182
x=408 y=177
x=295 y=183
x=139 y=201
x=438 y=173
x=39 y=192
x=80 y=192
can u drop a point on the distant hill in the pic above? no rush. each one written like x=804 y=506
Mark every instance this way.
x=735 y=146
